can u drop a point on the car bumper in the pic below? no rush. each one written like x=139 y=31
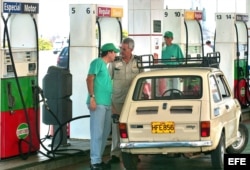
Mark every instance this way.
x=134 y=145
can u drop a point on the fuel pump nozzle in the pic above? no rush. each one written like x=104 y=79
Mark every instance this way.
x=11 y=99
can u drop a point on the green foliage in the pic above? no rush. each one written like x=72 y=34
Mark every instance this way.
x=124 y=33
x=45 y=44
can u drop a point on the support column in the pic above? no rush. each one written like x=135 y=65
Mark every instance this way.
x=248 y=23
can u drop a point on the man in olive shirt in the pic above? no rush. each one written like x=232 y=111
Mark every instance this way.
x=122 y=72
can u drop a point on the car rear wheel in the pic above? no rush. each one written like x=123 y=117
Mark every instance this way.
x=129 y=160
x=217 y=155
x=240 y=144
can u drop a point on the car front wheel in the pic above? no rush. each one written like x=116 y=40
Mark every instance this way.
x=240 y=144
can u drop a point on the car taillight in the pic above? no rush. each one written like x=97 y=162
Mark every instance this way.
x=123 y=130
x=205 y=128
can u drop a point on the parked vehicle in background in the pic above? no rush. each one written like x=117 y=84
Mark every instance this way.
x=63 y=58
x=187 y=109
x=59 y=44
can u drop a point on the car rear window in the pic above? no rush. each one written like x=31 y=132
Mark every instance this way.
x=65 y=51
x=168 y=88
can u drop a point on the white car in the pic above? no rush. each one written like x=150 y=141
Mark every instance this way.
x=59 y=44
x=186 y=110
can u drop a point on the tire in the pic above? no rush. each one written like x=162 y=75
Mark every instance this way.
x=217 y=155
x=129 y=161
x=240 y=144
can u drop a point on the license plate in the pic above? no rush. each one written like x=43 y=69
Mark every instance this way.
x=162 y=127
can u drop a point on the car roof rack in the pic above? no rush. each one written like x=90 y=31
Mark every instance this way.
x=148 y=61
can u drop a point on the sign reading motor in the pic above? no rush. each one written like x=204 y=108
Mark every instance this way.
x=17 y=7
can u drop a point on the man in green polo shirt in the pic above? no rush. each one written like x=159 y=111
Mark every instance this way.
x=171 y=55
x=99 y=85
x=171 y=51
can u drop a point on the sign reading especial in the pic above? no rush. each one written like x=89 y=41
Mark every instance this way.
x=17 y=7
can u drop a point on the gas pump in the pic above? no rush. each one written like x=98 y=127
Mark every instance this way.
x=231 y=40
x=185 y=25
x=19 y=118
x=86 y=22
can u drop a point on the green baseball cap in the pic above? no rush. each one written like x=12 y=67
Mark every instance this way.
x=109 y=47
x=168 y=34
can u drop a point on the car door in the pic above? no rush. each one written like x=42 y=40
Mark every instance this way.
x=224 y=110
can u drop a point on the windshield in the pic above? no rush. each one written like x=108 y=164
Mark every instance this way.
x=168 y=88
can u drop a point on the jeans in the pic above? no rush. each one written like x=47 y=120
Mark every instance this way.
x=100 y=126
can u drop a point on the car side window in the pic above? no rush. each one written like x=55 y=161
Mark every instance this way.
x=214 y=89
x=222 y=86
